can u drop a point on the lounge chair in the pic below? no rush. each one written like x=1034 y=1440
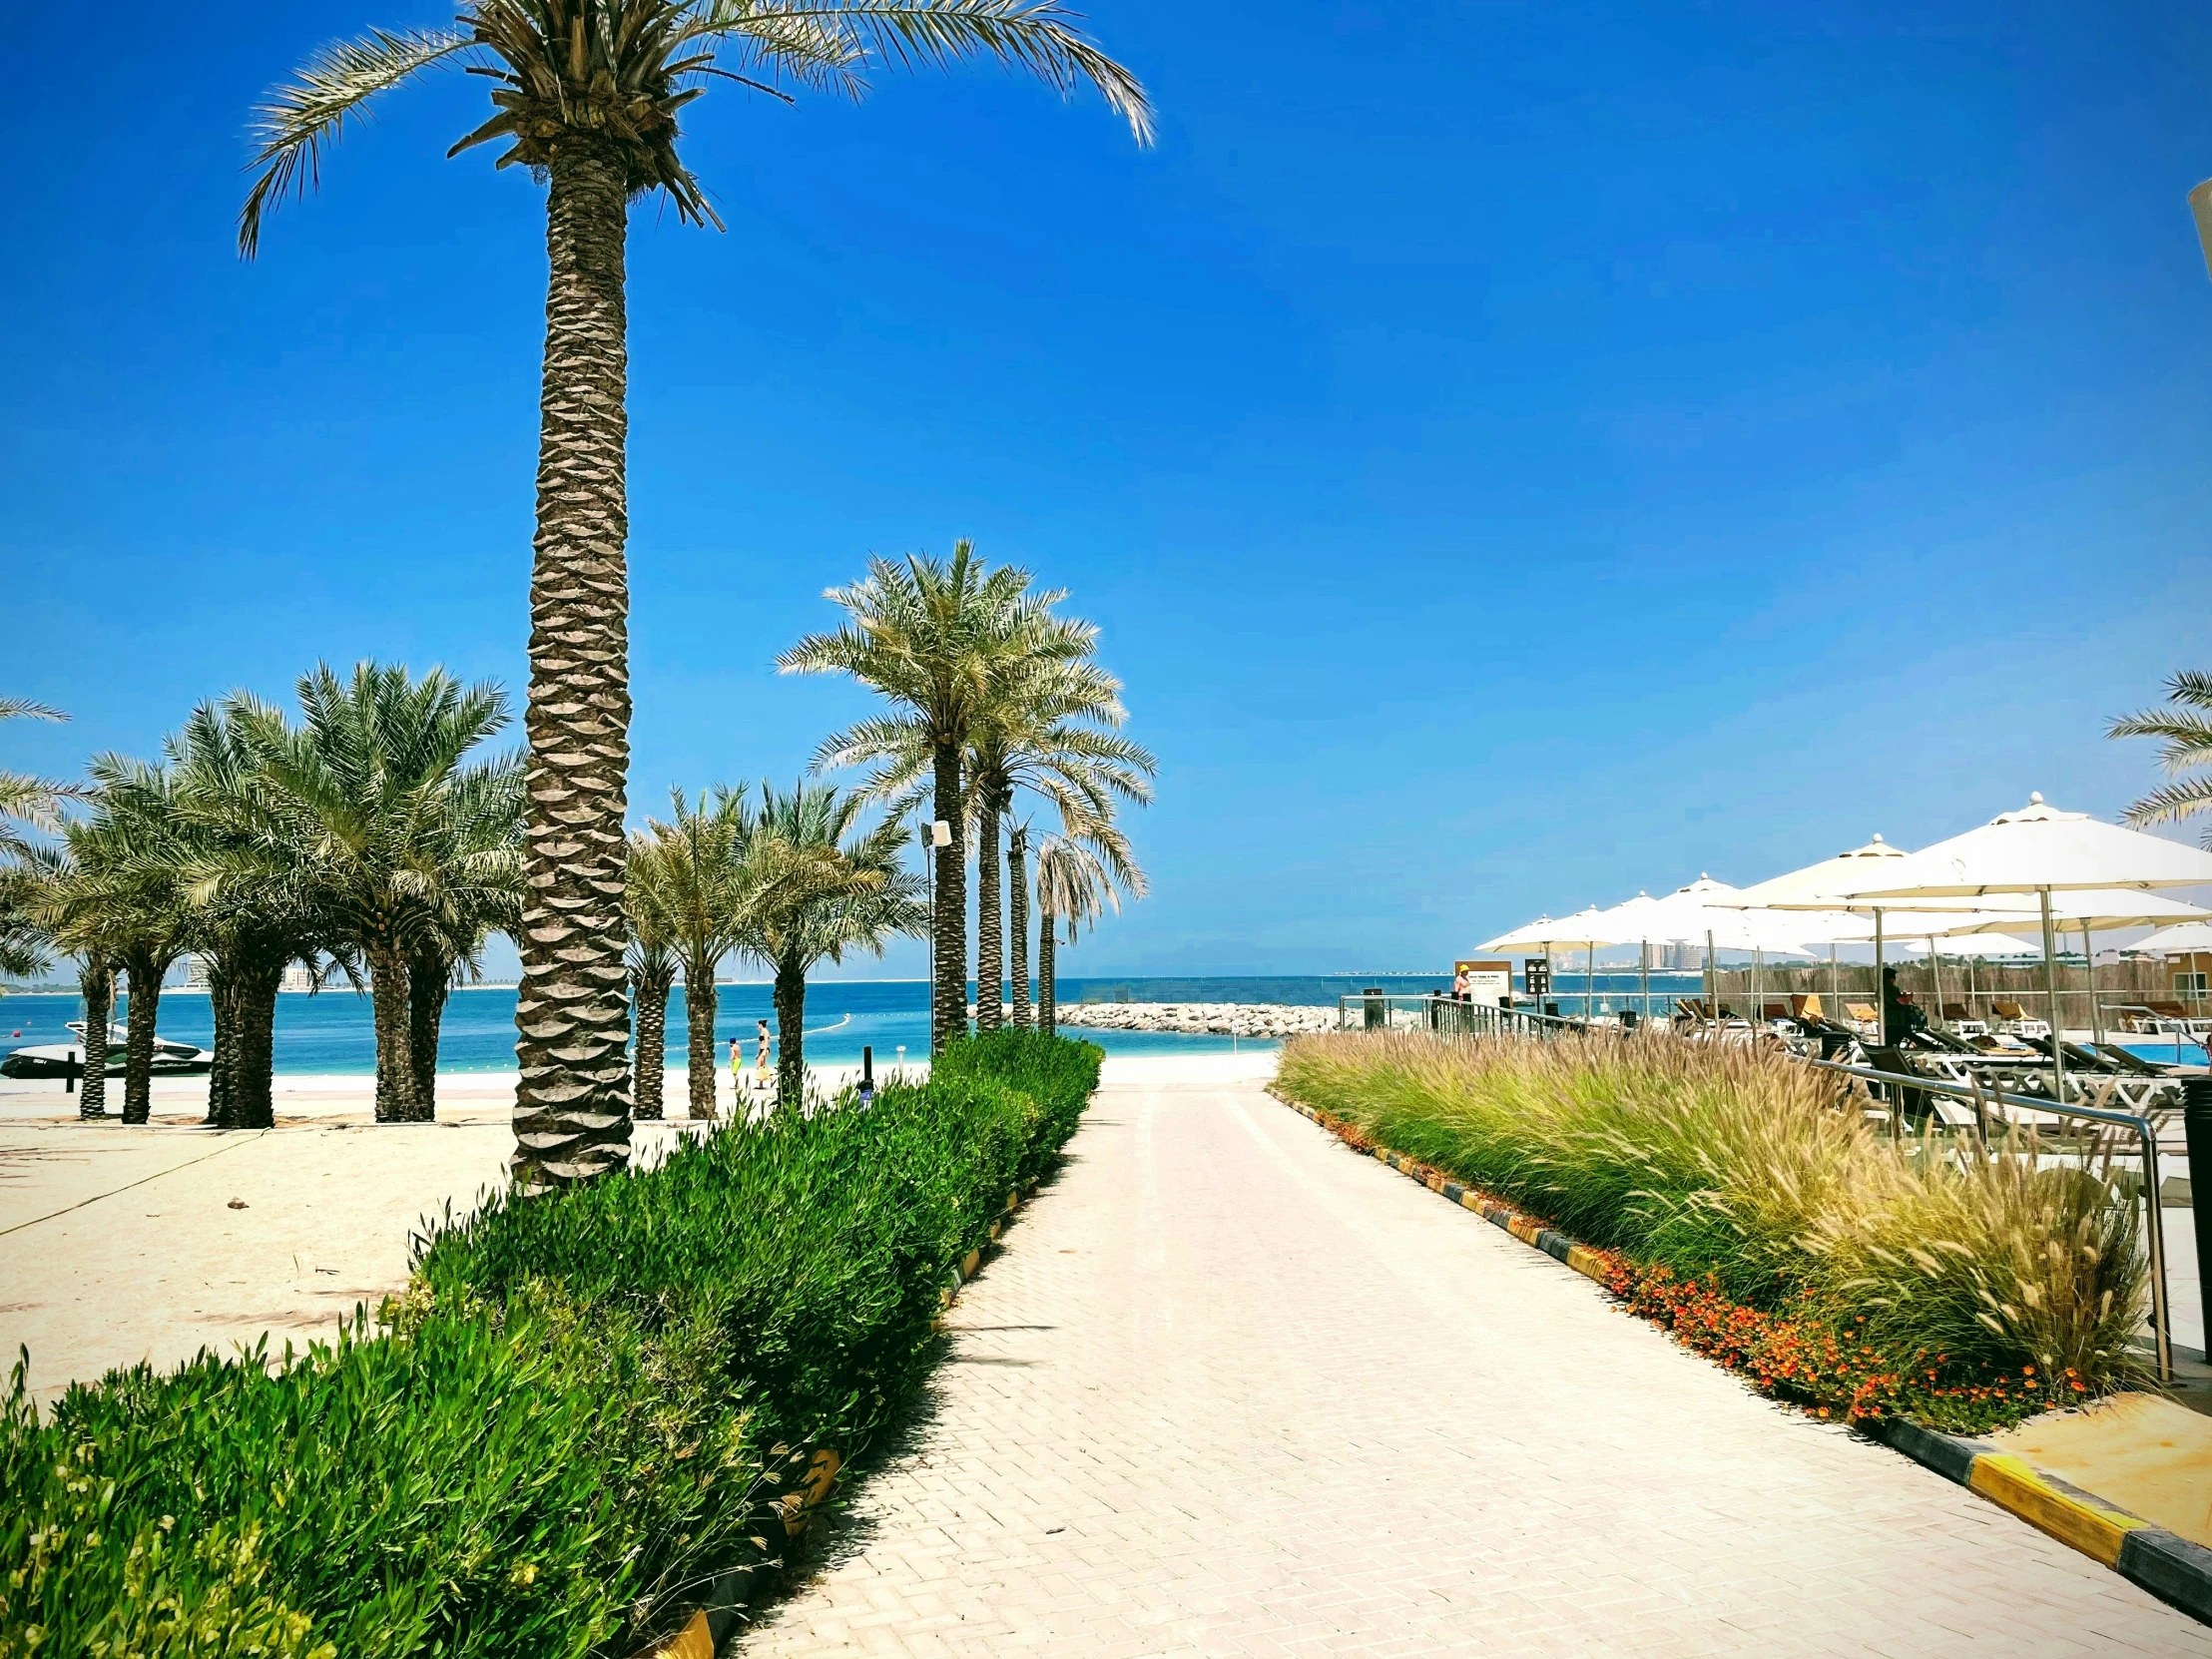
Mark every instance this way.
x=2136 y=1019
x=1960 y=1019
x=1777 y=1010
x=1865 y=1017
x=2015 y=1021
x=1807 y=1007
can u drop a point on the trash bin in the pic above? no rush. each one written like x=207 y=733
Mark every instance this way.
x=1379 y=1014
x=2196 y=1125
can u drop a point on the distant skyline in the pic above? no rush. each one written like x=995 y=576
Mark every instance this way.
x=1515 y=456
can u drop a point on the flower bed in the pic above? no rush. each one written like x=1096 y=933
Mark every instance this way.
x=1766 y=1228
x=586 y=1404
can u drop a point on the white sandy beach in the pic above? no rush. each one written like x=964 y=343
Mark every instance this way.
x=149 y=1242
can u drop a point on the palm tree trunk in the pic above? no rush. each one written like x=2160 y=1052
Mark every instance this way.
x=222 y=1009
x=387 y=997
x=1017 y=918
x=572 y=1017
x=97 y=980
x=990 y=921
x=252 y=1102
x=790 y=1035
x=429 y=982
x=650 y=1058
x=1048 y=1000
x=948 y=997
x=700 y=1003
x=141 y=1008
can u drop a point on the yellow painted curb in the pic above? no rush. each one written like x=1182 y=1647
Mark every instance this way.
x=695 y=1641
x=1472 y=1200
x=1586 y=1261
x=2011 y=1484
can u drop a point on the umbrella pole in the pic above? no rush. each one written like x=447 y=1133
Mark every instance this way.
x=2096 y=1015
x=1712 y=985
x=1881 y=1001
x=1758 y=987
x=1835 y=982
x=1589 y=981
x=1643 y=981
x=1935 y=977
x=2050 y=992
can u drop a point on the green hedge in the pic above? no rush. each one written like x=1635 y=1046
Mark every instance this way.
x=586 y=1404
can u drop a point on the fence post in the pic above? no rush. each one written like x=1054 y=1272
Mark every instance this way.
x=69 y=1073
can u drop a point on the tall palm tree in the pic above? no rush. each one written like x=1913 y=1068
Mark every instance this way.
x=653 y=964
x=1078 y=881
x=819 y=886
x=1017 y=922
x=406 y=842
x=934 y=637
x=2184 y=729
x=699 y=868
x=586 y=95
x=1048 y=729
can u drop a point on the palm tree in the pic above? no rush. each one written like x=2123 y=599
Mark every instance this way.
x=32 y=892
x=818 y=887
x=2185 y=732
x=653 y=964
x=1048 y=731
x=406 y=844
x=585 y=95
x=27 y=802
x=698 y=868
x=934 y=639
x=1078 y=879
x=254 y=914
x=121 y=896
x=1018 y=920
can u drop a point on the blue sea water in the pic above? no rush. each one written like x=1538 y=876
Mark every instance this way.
x=331 y=1032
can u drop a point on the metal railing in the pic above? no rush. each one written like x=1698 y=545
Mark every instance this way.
x=1448 y=1017
x=2141 y=1126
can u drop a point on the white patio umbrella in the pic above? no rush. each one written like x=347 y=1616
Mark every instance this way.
x=2099 y=909
x=2041 y=851
x=1544 y=932
x=2186 y=937
x=1715 y=910
x=1825 y=889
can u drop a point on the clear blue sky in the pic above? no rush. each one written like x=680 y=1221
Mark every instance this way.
x=1517 y=453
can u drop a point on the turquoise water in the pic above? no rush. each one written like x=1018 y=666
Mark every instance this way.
x=331 y=1032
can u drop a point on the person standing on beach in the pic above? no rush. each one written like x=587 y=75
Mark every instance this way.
x=737 y=1069
x=761 y=1055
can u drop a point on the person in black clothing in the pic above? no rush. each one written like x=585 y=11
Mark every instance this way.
x=1900 y=1015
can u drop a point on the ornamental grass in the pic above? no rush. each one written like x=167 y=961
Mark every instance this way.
x=1754 y=1212
x=586 y=1405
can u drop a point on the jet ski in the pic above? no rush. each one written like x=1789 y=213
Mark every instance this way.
x=171 y=1060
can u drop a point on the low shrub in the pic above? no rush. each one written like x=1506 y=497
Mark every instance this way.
x=1769 y=1228
x=586 y=1404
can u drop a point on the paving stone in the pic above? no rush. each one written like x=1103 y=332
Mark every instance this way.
x=1231 y=1390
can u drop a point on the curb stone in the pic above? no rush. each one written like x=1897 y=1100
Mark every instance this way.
x=708 y=1631
x=2166 y=1564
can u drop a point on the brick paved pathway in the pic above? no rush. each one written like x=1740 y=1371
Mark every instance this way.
x=1231 y=1390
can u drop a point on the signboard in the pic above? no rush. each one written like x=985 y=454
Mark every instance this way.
x=1488 y=983
x=1537 y=976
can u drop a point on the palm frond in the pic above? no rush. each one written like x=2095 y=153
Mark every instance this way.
x=298 y=120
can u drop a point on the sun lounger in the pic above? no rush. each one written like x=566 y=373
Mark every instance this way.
x=2015 y=1021
x=1863 y=1017
x=1777 y=1010
x=1806 y=1007
x=1960 y=1019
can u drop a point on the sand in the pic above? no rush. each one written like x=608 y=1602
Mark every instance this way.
x=119 y=1244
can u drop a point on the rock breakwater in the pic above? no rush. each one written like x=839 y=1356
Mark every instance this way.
x=1218 y=1019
